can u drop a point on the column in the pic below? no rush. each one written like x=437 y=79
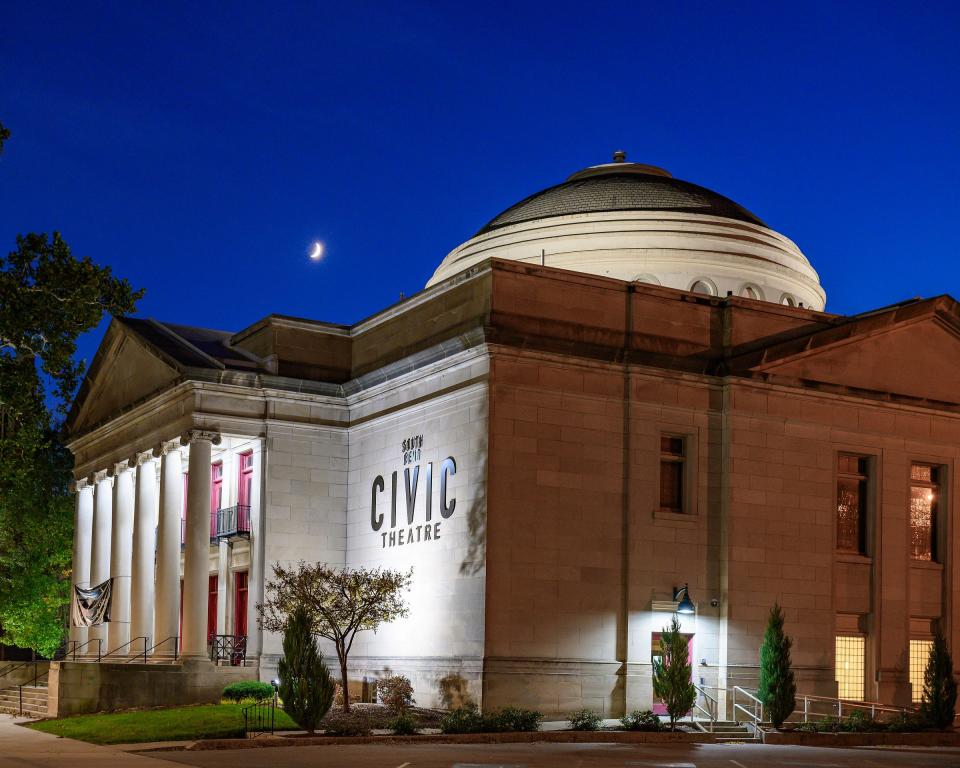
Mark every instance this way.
x=255 y=575
x=144 y=545
x=121 y=546
x=196 y=562
x=100 y=550
x=82 y=541
x=167 y=612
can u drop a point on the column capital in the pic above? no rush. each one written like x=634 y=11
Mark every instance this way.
x=140 y=457
x=200 y=434
x=167 y=446
x=119 y=468
x=80 y=485
x=98 y=477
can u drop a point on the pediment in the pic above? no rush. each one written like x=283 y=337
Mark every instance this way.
x=917 y=359
x=124 y=371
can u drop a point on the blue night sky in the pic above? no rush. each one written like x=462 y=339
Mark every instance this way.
x=198 y=149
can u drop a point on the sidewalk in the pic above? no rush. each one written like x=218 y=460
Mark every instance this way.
x=23 y=746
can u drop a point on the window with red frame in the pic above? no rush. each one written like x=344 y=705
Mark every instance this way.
x=216 y=494
x=240 y=604
x=244 y=490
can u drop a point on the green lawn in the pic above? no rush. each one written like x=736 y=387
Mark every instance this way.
x=207 y=721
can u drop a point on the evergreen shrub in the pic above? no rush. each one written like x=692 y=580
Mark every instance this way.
x=248 y=690
x=641 y=721
x=585 y=720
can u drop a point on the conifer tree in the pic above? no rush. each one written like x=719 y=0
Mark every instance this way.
x=777 y=689
x=939 y=684
x=306 y=686
x=672 y=673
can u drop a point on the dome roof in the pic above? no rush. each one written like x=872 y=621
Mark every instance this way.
x=637 y=223
x=620 y=186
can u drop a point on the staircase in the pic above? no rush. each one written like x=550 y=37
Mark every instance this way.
x=34 y=700
x=728 y=730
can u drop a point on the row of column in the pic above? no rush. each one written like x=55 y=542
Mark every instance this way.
x=114 y=535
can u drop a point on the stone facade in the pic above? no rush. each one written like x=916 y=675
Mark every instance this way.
x=541 y=397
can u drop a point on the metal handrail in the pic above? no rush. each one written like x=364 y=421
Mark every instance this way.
x=837 y=704
x=127 y=645
x=147 y=651
x=98 y=640
x=709 y=711
x=36 y=679
x=756 y=715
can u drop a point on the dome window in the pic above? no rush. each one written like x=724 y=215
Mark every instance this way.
x=703 y=286
x=645 y=278
x=750 y=291
x=788 y=301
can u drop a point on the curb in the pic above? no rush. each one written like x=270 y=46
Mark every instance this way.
x=554 y=737
x=916 y=739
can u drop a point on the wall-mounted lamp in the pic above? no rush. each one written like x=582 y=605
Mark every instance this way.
x=681 y=595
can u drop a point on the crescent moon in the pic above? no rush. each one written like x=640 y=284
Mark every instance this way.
x=317 y=251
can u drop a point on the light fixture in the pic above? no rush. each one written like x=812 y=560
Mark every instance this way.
x=681 y=595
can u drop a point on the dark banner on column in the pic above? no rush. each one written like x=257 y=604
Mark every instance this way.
x=91 y=607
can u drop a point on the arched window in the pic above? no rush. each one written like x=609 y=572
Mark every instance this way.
x=703 y=286
x=750 y=291
x=788 y=300
x=646 y=278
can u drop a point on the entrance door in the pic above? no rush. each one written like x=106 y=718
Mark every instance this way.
x=240 y=604
x=659 y=708
x=212 y=608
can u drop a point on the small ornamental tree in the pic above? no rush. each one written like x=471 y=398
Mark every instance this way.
x=339 y=602
x=777 y=689
x=939 y=685
x=306 y=687
x=672 y=673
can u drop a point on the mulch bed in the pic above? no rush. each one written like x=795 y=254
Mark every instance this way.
x=377 y=716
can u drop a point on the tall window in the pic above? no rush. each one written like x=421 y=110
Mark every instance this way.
x=924 y=500
x=852 y=504
x=245 y=479
x=919 y=653
x=216 y=494
x=850 y=652
x=672 y=460
x=240 y=603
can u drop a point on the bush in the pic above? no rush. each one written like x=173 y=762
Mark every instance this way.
x=353 y=726
x=907 y=722
x=777 y=688
x=939 y=686
x=248 y=689
x=859 y=721
x=306 y=686
x=585 y=720
x=395 y=693
x=404 y=725
x=462 y=720
x=641 y=721
x=512 y=719
x=338 y=696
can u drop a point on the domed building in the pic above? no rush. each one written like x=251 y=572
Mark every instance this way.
x=636 y=222
x=620 y=401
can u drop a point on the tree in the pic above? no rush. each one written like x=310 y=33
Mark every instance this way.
x=777 y=689
x=672 y=673
x=339 y=601
x=48 y=298
x=939 y=684
x=306 y=687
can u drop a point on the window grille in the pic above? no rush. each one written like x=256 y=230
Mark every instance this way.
x=850 y=666
x=924 y=502
x=919 y=653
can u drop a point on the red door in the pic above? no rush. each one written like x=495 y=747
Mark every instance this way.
x=659 y=708
x=240 y=604
x=244 y=491
x=212 y=609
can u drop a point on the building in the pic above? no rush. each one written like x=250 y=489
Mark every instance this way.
x=620 y=386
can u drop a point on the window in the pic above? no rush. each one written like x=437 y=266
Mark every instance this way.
x=788 y=301
x=919 y=653
x=213 y=588
x=850 y=649
x=672 y=461
x=852 y=503
x=245 y=479
x=924 y=498
x=702 y=286
x=751 y=292
x=216 y=495
x=240 y=603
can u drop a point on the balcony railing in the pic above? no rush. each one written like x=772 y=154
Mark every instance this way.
x=233 y=521
x=229 y=648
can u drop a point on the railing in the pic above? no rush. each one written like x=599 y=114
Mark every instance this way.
x=710 y=708
x=127 y=645
x=166 y=641
x=233 y=521
x=753 y=709
x=37 y=676
x=837 y=706
x=260 y=718
x=232 y=648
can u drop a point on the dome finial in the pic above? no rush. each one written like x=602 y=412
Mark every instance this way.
x=619 y=156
